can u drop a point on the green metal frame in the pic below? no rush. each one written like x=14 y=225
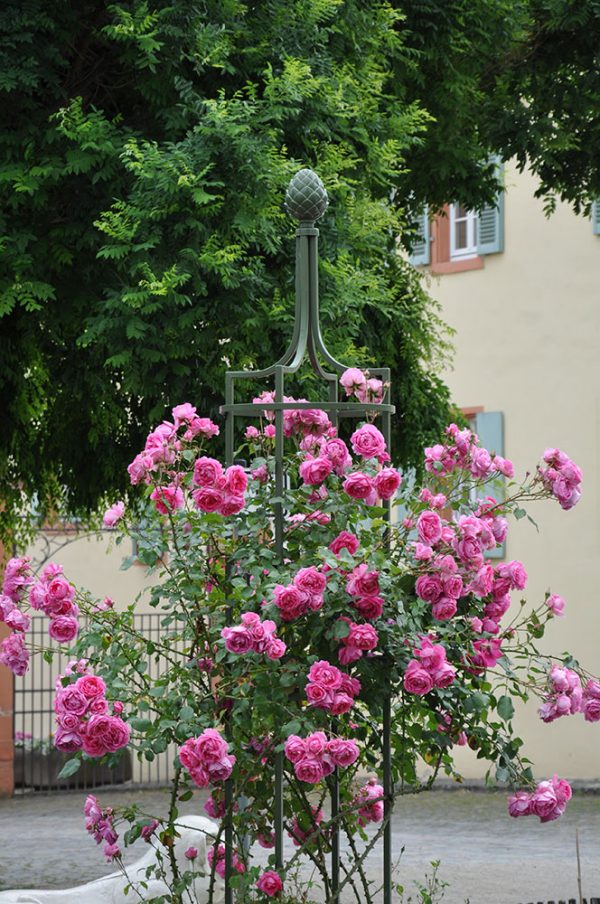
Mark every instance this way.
x=306 y=201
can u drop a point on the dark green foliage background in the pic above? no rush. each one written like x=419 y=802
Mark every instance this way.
x=145 y=150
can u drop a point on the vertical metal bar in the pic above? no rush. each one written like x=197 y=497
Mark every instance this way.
x=388 y=799
x=229 y=449
x=335 y=837
x=279 y=546
x=388 y=788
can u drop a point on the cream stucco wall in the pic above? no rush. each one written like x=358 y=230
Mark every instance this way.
x=528 y=343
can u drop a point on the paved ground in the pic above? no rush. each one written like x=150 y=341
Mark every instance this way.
x=486 y=857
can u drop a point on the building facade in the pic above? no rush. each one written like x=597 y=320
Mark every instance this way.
x=522 y=293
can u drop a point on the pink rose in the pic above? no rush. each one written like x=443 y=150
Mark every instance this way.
x=236 y=480
x=60 y=589
x=232 y=505
x=453 y=585
x=109 y=732
x=314 y=471
x=416 y=679
x=167 y=499
x=311 y=581
x=91 y=686
x=387 y=482
x=344 y=540
x=364 y=637
x=316 y=743
x=68 y=741
x=220 y=772
x=341 y=703
x=276 y=648
x=237 y=639
x=444 y=675
x=556 y=604
x=63 y=629
x=369 y=607
x=182 y=413
x=317 y=695
x=270 y=883
x=358 y=485
x=207 y=472
x=208 y=499
x=444 y=608
x=309 y=770
x=70 y=699
x=353 y=380
x=295 y=748
x=362 y=582
x=428 y=587
x=211 y=747
x=429 y=528
x=290 y=601
x=113 y=514
x=368 y=442
x=519 y=804
x=17 y=620
x=325 y=674
x=342 y=752
x=336 y=451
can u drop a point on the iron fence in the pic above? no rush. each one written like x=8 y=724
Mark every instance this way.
x=37 y=763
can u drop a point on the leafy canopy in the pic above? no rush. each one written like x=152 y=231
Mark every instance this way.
x=146 y=147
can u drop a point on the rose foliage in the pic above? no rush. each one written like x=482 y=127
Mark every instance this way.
x=266 y=655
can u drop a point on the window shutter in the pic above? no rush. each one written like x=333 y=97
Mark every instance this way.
x=420 y=252
x=490 y=224
x=596 y=217
x=489 y=426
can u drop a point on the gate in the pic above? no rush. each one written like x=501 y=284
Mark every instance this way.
x=37 y=762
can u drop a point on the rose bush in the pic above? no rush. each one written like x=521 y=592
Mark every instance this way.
x=297 y=654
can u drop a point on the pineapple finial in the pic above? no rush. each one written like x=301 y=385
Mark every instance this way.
x=306 y=197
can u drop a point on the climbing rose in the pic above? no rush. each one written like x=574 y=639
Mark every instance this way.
x=368 y=442
x=114 y=514
x=270 y=883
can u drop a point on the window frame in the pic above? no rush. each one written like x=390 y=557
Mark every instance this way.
x=471 y=218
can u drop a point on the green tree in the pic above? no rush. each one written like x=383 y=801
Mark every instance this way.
x=145 y=150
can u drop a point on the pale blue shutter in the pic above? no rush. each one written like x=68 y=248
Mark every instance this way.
x=489 y=426
x=596 y=217
x=490 y=222
x=420 y=251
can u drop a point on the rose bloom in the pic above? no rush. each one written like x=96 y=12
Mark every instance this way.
x=316 y=743
x=416 y=679
x=295 y=748
x=315 y=470
x=236 y=480
x=368 y=442
x=325 y=674
x=358 y=485
x=317 y=695
x=311 y=581
x=107 y=732
x=444 y=675
x=362 y=582
x=341 y=703
x=556 y=604
x=210 y=746
x=364 y=637
x=352 y=380
x=309 y=770
x=167 y=499
x=348 y=654
x=63 y=629
x=519 y=804
x=59 y=589
x=336 y=451
x=208 y=499
x=343 y=752
x=270 y=883
x=237 y=639
x=369 y=607
x=344 y=540
x=68 y=741
x=444 y=608
x=207 y=472
x=429 y=528
x=387 y=482
x=428 y=587
x=113 y=514
x=91 y=686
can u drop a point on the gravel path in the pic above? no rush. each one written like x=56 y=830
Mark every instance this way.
x=486 y=857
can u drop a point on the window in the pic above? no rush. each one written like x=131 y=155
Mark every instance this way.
x=459 y=239
x=463 y=232
x=596 y=217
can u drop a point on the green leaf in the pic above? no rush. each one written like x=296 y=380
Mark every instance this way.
x=70 y=768
x=505 y=708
